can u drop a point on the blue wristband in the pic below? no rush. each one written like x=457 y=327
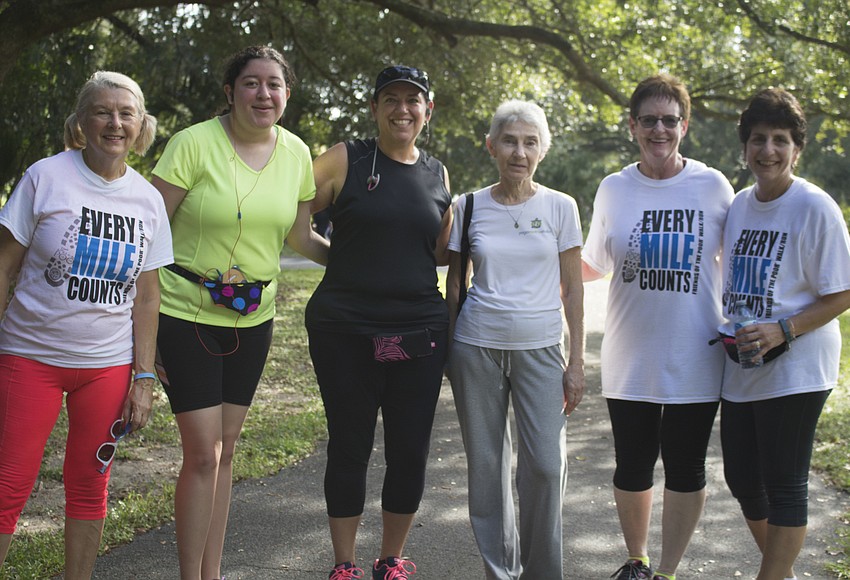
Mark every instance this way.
x=140 y=376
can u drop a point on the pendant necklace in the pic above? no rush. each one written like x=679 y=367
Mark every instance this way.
x=516 y=219
x=521 y=209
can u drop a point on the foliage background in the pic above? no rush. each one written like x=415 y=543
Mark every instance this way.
x=578 y=59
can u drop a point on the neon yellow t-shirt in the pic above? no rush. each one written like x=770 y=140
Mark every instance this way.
x=209 y=235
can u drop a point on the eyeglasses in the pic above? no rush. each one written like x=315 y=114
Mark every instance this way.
x=106 y=451
x=650 y=121
x=402 y=73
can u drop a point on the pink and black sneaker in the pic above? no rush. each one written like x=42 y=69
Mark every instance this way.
x=393 y=569
x=346 y=571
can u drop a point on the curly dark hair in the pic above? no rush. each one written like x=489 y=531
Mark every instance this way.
x=775 y=108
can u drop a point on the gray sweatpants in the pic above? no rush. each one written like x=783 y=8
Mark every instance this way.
x=484 y=382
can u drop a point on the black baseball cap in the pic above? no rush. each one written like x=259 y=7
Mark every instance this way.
x=401 y=73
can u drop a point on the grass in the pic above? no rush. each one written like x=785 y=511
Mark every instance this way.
x=832 y=454
x=282 y=427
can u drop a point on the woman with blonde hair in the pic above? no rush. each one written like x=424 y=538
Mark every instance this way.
x=85 y=235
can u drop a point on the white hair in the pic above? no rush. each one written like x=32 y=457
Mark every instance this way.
x=525 y=111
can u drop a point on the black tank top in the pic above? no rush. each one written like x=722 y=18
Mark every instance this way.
x=381 y=274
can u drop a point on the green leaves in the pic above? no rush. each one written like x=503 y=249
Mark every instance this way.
x=580 y=59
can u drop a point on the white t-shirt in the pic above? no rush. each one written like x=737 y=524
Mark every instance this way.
x=781 y=256
x=662 y=240
x=87 y=241
x=514 y=302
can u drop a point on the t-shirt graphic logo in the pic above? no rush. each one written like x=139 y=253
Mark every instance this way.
x=536 y=223
x=664 y=251
x=107 y=257
x=753 y=268
x=59 y=265
x=631 y=264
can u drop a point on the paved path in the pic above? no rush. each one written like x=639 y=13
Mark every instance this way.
x=278 y=524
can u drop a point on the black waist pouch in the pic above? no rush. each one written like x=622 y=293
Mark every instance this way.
x=731 y=348
x=404 y=346
x=242 y=297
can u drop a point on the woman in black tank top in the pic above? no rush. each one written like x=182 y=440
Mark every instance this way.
x=377 y=323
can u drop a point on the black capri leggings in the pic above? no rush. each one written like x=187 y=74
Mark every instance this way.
x=354 y=386
x=679 y=432
x=767 y=451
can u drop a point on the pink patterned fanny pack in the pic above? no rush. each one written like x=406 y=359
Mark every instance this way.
x=404 y=346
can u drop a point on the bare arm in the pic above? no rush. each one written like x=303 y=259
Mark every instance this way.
x=11 y=256
x=137 y=406
x=572 y=297
x=304 y=240
x=822 y=311
x=441 y=251
x=588 y=274
x=770 y=334
x=453 y=283
x=329 y=170
x=171 y=194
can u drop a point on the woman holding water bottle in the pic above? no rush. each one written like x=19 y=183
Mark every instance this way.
x=788 y=261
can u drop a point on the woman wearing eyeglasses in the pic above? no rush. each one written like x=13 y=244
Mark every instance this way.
x=657 y=227
x=377 y=322
x=85 y=235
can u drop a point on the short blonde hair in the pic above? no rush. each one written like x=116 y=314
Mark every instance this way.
x=74 y=137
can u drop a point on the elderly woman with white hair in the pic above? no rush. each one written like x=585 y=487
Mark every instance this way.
x=84 y=234
x=524 y=247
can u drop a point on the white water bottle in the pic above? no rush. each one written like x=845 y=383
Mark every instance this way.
x=746 y=353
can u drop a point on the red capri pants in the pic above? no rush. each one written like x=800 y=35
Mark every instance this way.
x=30 y=400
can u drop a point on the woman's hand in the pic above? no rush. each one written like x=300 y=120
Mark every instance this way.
x=573 y=387
x=572 y=297
x=138 y=404
x=760 y=337
x=768 y=335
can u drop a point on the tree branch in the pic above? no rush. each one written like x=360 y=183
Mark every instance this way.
x=773 y=29
x=25 y=22
x=448 y=27
x=129 y=31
